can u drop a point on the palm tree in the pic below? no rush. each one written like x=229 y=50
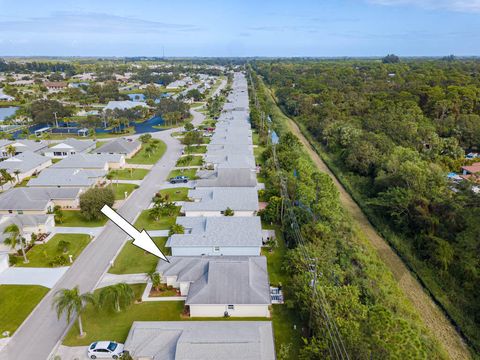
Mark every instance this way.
x=149 y=150
x=5 y=175
x=176 y=229
x=228 y=212
x=10 y=150
x=14 y=238
x=155 y=278
x=70 y=301
x=117 y=297
x=17 y=172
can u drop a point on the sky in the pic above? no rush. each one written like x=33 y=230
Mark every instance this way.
x=239 y=28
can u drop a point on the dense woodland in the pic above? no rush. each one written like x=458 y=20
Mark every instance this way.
x=392 y=132
x=373 y=317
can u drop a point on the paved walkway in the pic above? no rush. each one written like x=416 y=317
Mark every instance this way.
x=92 y=231
x=158 y=233
x=136 y=182
x=138 y=166
x=72 y=352
x=167 y=185
x=47 y=277
x=111 y=279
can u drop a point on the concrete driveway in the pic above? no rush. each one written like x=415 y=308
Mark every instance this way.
x=72 y=352
x=47 y=277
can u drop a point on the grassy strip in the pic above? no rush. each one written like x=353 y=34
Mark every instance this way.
x=176 y=194
x=16 y=303
x=143 y=158
x=190 y=173
x=129 y=174
x=133 y=260
x=42 y=255
x=73 y=218
x=120 y=190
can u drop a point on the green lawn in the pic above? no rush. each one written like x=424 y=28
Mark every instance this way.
x=75 y=219
x=101 y=324
x=191 y=173
x=195 y=161
x=176 y=194
x=255 y=138
x=100 y=143
x=142 y=158
x=133 y=260
x=16 y=303
x=41 y=255
x=144 y=221
x=120 y=189
x=284 y=319
x=129 y=174
x=195 y=149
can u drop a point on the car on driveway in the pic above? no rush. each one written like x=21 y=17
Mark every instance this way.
x=179 y=179
x=105 y=350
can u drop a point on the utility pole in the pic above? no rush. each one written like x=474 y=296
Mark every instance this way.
x=56 y=120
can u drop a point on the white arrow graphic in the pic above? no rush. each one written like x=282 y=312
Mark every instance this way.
x=140 y=239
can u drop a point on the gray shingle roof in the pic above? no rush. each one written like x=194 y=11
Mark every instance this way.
x=218 y=231
x=28 y=198
x=67 y=177
x=231 y=161
x=24 y=162
x=24 y=145
x=201 y=340
x=87 y=161
x=221 y=198
x=236 y=280
x=224 y=177
x=118 y=146
x=72 y=144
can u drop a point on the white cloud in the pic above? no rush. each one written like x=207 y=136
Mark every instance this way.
x=453 y=5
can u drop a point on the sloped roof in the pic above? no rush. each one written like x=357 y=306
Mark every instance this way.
x=233 y=280
x=201 y=340
x=31 y=198
x=67 y=177
x=73 y=144
x=24 y=145
x=226 y=177
x=24 y=162
x=122 y=105
x=87 y=161
x=221 y=198
x=218 y=231
x=118 y=146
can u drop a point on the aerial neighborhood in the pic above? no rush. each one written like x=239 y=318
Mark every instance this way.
x=193 y=188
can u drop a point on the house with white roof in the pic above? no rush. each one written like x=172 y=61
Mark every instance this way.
x=127 y=148
x=215 y=286
x=69 y=147
x=21 y=146
x=213 y=201
x=123 y=105
x=28 y=225
x=37 y=200
x=201 y=340
x=217 y=236
x=68 y=178
x=91 y=161
x=26 y=164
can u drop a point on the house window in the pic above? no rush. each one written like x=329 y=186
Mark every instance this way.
x=231 y=307
x=216 y=248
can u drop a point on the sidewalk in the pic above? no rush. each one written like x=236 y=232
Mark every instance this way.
x=47 y=277
x=112 y=279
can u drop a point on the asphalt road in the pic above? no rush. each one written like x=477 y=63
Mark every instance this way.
x=41 y=332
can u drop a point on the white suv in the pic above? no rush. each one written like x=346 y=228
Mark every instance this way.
x=105 y=350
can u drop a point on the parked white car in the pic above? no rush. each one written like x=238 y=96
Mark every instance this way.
x=105 y=350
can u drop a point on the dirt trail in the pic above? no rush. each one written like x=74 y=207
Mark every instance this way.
x=430 y=313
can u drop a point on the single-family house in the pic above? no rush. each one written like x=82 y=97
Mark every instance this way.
x=5 y=97
x=473 y=169
x=37 y=200
x=25 y=164
x=21 y=146
x=123 y=105
x=216 y=286
x=55 y=86
x=69 y=147
x=91 y=161
x=124 y=147
x=217 y=236
x=28 y=225
x=201 y=340
x=226 y=177
x=230 y=161
x=68 y=178
x=214 y=201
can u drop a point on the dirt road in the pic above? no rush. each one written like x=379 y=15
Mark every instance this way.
x=430 y=313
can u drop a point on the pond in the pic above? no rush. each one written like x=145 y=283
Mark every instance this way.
x=7 y=111
x=73 y=127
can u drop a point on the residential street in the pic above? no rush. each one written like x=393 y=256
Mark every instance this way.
x=42 y=331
